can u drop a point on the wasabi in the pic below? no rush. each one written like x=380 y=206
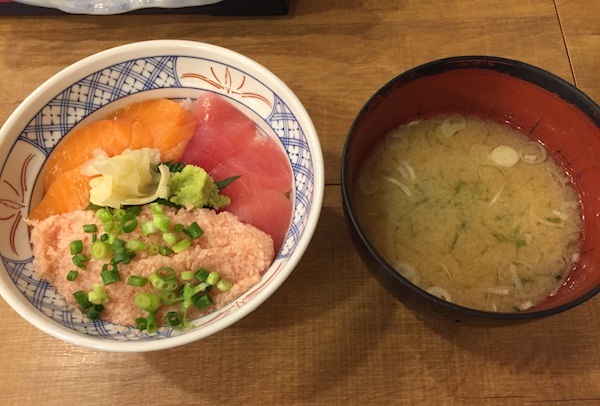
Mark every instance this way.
x=193 y=187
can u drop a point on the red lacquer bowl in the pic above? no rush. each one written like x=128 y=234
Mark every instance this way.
x=533 y=101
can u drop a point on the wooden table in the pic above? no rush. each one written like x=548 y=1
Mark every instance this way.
x=330 y=334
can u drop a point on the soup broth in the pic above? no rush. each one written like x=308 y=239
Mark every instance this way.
x=471 y=211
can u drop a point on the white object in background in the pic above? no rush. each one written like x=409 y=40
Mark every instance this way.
x=113 y=6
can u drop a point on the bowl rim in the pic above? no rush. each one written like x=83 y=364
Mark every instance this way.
x=130 y=51
x=520 y=70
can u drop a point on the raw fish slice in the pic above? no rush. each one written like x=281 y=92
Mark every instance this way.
x=265 y=209
x=78 y=146
x=171 y=125
x=69 y=192
x=262 y=164
x=222 y=130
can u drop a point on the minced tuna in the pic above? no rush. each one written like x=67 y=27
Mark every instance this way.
x=238 y=251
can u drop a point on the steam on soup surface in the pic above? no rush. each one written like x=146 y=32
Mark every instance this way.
x=471 y=211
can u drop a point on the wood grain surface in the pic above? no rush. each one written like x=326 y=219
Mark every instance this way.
x=330 y=334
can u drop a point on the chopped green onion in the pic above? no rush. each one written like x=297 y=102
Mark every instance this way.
x=136 y=245
x=118 y=245
x=79 y=260
x=123 y=257
x=213 y=278
x=154 y=249
x=94 y=237
x=82 y=299
x=72 y=275
x=136 y=210
x=101 y=250
x=165 y=251
x=178 y=227
x=201 y=301
x=104 y=216
x=181 y=245
x=224 y=285
x=151 y=324
x=94 y=312
x=118 y=214
x=202 y=275
x=166 y=273
x=148 y=228
x=162 y=222
x=104 y=237
x=141 y=323
x=129 y=222
x=76 y=247
x=156 y=209
x=174 y=320
x=90 y=228
x=169 y=238
x=194 y=231
x=187 y=275
x=161 y=284
x=147 y=301
x=134 y=280
x=98 y=295
x=109 y=277
x=169 y=298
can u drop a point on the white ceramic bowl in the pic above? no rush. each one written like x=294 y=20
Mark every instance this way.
x=103 y=7
x=114 y=78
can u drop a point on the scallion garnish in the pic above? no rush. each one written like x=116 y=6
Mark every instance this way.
x=94 y=312
x=135 y=280
x=141 y=323
x=147 y=301
x=194 y=231
x=187 y=275
x=128 y=222
x=169 y=298
x=98 y=295
x=72 y=275
x=165 y=251
x=181 y=245
x=169 y=238
x=101 y=250
x=136 y=245
x=224 y=285
x=76 y=247
x=201 y=301
x=90 y=228
x=178 y=227
x=162 y=222
x=148 y=228
x=82 y=299
x=213 y=278
x=202 y=274
x=79 y=260
x=109 y=277
x=174 y=320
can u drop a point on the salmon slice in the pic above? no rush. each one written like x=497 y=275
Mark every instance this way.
x=78 y=146
x=171 y=126
x=69 y=192
x=222 y=130
x=158 y=123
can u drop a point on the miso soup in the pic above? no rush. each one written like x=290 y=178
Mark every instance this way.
x=471 y=211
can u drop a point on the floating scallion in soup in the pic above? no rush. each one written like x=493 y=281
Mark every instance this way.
x=471 y=211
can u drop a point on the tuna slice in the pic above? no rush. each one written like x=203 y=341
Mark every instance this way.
x=221 y=131
x=226 y=144
x=266 y=209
